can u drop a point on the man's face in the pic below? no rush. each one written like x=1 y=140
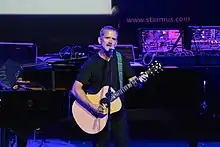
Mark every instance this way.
x=108 y=40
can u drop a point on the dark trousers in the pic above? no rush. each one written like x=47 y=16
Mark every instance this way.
x=119 y=132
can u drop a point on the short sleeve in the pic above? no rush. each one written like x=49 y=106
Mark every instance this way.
x=85 y=73
x=129 y=72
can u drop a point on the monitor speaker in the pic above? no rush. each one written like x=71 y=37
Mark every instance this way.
x=22 y=53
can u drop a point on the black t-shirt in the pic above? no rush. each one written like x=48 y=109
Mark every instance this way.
x=95 y=73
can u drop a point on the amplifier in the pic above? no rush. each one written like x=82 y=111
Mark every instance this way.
x=127 y=50
x=22 y=53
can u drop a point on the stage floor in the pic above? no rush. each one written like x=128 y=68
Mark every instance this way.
x=134 y=143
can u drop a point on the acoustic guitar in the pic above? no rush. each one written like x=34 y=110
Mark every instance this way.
x=93 y=123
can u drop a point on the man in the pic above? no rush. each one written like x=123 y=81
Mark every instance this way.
x=95 y=74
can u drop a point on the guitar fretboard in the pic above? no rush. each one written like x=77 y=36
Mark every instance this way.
x=123 y=90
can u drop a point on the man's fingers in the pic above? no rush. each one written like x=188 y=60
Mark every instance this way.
x=102 y=108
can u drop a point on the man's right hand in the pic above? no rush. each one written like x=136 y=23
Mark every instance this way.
x=100 y=109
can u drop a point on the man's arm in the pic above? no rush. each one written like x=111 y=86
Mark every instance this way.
x=78 y=92
x=130 y=73
x=80 y=95
x=82 y=78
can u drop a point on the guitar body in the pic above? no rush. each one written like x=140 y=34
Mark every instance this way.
x=86 y=120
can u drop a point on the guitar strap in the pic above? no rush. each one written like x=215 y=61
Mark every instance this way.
x=120 y=72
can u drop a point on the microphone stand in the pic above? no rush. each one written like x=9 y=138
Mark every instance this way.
x=109 y=95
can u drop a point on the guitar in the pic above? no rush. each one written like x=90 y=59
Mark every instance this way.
x=92 y=123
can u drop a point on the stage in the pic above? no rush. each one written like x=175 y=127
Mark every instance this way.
x=175 y=107
x=134 y=143
x=180 y=103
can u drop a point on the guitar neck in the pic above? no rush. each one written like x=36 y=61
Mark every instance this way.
x=154 y=68
x=122 y=90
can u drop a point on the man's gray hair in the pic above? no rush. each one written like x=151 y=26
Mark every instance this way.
x=107 y=28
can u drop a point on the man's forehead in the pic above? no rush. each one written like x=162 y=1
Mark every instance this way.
x=110 y=33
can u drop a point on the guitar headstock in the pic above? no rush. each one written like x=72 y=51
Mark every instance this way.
x=154 y=68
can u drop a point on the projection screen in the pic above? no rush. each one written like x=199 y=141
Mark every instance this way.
x=55 y=7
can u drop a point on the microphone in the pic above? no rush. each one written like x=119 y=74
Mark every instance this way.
x=111 y=52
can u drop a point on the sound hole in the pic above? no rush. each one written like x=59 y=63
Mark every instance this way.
x=103 y=101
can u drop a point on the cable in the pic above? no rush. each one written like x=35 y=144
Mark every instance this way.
x=64 y=50
x=151 y=60
x=42 y=142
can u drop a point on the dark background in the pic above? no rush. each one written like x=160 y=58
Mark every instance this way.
x=178 y=92
x=52 y=33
